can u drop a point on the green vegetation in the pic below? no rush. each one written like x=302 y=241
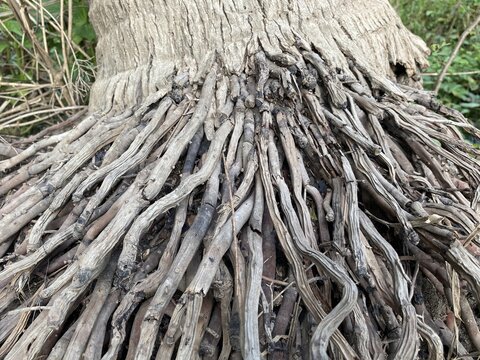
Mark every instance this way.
x=47 y=57
x=440 y=23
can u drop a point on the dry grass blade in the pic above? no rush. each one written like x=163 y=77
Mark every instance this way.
x=54 y=73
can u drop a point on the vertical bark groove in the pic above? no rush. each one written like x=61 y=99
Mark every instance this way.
x=140 y=44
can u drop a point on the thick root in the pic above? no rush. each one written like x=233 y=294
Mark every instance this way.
x=289 y=211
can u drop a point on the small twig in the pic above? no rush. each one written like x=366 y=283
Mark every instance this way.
x=471 y=237
x=460 y=73
x=276 y=282
x=31 y=308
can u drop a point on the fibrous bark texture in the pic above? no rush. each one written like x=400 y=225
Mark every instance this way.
x=142 y=44
x=281 y=191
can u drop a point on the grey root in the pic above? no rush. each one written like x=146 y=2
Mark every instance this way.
x=255 y=179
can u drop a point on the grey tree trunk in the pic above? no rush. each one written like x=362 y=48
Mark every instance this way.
x=255 y=179
x=142 y=44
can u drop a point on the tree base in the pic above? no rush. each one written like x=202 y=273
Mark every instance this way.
x=289 y=211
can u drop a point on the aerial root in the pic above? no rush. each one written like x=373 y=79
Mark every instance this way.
x=288 y=210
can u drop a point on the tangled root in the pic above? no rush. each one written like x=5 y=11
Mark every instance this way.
x=287 y=211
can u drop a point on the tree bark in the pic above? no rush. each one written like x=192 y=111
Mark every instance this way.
x=142 y=44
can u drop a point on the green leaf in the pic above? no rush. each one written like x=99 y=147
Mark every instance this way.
x=4 y=45
x=14 y=27
x=80 y=15
x=84 y=32
x=470 y=105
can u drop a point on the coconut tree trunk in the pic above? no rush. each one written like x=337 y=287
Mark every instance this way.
x=255 y=179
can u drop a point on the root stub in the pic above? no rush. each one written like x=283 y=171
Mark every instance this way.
x=285 y=212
